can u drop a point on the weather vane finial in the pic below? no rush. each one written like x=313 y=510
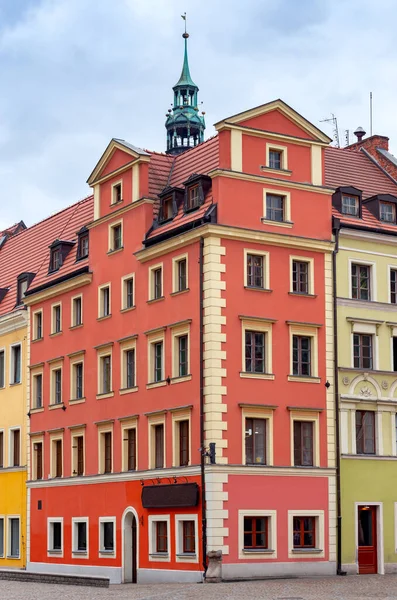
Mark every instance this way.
x=184 y=35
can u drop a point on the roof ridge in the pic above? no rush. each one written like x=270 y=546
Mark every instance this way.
x=375 y=162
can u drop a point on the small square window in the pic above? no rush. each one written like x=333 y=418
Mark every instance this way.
x=256 y=533
x=350 y=205
x=275 y=159
x=387 y=212
x=275 y=207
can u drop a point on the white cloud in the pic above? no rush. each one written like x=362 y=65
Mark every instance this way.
x=76 y=73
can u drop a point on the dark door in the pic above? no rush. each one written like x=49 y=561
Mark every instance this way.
x=134 y=549
x=367 y=545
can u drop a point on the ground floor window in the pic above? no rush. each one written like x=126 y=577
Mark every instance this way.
x=55 y=536
x=80 y=536
x=107 y=531
x=1 y=536
x=161 y=536
x=255 y=533
x=13 y=537
x=304 y=532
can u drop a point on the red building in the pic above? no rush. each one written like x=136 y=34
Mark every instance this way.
x=182 y=336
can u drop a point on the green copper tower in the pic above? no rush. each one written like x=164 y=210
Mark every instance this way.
x=185 y=127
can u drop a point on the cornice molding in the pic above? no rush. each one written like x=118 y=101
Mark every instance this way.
x=57 y=289
x=13 y=321
x=120 y=211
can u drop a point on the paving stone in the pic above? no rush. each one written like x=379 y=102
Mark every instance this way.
x=367 y=587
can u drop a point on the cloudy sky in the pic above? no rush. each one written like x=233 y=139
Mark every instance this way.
x=74 y=73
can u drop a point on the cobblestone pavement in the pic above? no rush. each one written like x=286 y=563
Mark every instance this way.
x=368 y=587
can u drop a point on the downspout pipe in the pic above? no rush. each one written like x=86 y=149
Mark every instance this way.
x=202 y=441
x=336 y=230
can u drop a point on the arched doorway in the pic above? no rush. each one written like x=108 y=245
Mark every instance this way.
x=130 y=546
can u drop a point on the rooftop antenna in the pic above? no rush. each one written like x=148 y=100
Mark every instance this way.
x=370 y=113
x=335 y=130
x=347 y=137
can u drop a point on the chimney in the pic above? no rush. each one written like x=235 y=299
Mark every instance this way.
x=359 y=133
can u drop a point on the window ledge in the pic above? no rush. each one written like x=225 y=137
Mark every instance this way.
x=55 y=333
x=307 y=551
x=113 y=204
x=160 y=554
x=258 y=551
x=257 y=289
x=106 y=552
x=77 y=400
x=76 y=326
x=177 y=294
x=55 y=406
x=187 y=555
x=304 y=379
x=37 y=409
x=13 y=557
x=156 y=384
x=79 y=552
x=15 y=383
x=277 y=223
x=127 y=309
x=248 y=375
x=104 y=317
x=115 y=251
x=40 y=339
x=54 y=552
x=153 y=300
x=275 y=171
x=181 y=379
x=105 y=395
x=301 y=294
x=123 y=391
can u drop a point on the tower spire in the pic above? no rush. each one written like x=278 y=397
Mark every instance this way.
x=185 y=127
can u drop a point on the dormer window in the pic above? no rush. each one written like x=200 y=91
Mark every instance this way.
x=55 y=261
x=275 y=159
x=387 y=212
x=350 y=205
x=166 y=210
x=193 y=200
x=82 y=251
x=23 y=282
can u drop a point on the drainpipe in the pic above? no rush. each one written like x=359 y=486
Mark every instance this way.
x=202 y=449
x=336 y=230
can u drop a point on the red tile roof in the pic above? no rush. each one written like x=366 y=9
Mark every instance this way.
x=16 y=228
x=28 y=251
x=344 y=167
x=173 y=171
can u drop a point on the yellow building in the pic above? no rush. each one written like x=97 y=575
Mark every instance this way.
x=365 y=203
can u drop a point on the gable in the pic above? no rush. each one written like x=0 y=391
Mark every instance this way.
x=277 y=117
x=118 y=159
x=277 y=122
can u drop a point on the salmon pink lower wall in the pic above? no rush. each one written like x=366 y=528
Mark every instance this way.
x=95 y=501
x=283 y=494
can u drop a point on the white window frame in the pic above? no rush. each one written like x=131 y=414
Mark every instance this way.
x=53 y=307
x=11 y=446
x=100 y=300
x=50 y=537
x=265 y=554
x=373 y=279
x=153 y=555
x=151 y=286
x=310 y=263
x=12 y=359
x=102 y=553
x=113 y=192
x=124 y=280
x=73 y=311
x=266 y=267
x=302 y=554
x=261 y=326
x=371 y=329
x=286 y=206
x=75 y=552
x=8 y=536
x=111 y=228
x=175 y=278
x=253 y=412
x=34 y=320
x=313 y=417
x=284 y=156
x=180 y=556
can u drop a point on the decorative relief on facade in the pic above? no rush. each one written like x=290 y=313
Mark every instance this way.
x=384 y=384
x=345 y=381
x=365 y=392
